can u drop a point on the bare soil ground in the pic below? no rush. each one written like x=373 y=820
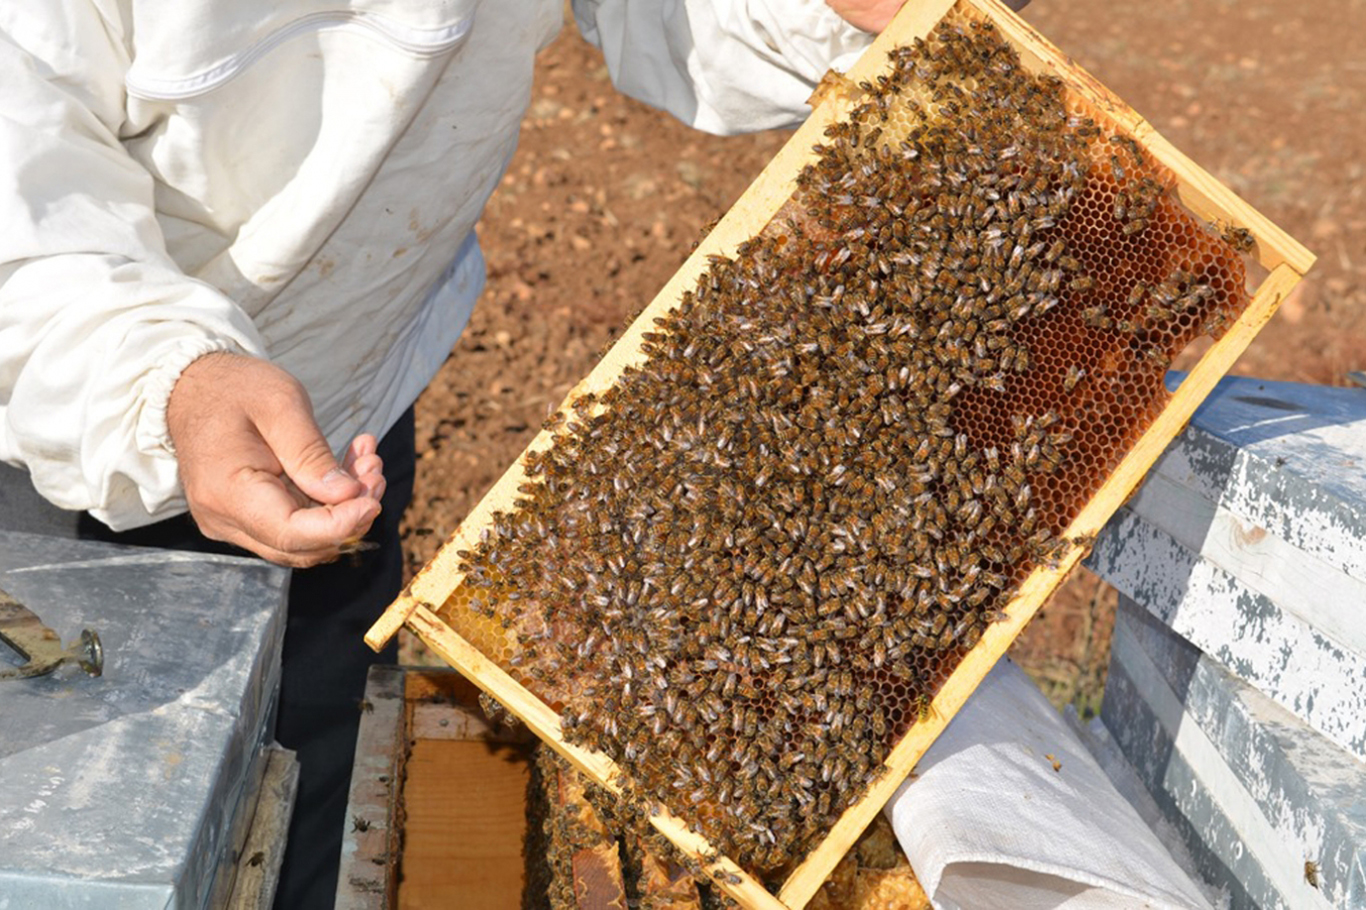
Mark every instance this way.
x=606 y=197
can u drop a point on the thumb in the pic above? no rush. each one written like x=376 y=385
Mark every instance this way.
x=294 y=437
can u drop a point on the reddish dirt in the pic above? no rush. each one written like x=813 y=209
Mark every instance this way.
x=606 y=196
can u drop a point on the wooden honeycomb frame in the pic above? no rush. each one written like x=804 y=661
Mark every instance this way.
x=1284 y=258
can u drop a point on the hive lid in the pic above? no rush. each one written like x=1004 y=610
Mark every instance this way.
x=119 y=790
x=1300 y=447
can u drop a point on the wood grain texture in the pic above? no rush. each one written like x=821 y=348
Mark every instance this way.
x=258 y=865
x=374 y=815
x=465 y=816
x=1206 y=197
x=393 y=618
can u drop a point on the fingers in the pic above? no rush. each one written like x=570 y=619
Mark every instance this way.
x=326 y=526
x=366 y=464
x=270 y=522
x=374 y=484
x=362 y=462
x=870 y=15
x=291 y=433
x=256 y=469
x=364 y=444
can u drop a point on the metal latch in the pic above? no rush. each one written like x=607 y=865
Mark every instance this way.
x=41 y=647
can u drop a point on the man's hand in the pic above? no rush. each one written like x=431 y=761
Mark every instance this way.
x=873 y=15
x=256 y=469
x=870 y=15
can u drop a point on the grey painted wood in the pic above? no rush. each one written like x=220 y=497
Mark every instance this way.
x=1312 y=793
x=1234 y=845
x=1285 y=457
x=1295 y=664
x=1249 y=540
x=120 y=791
x=1237 y=687
x=1299 y=582
x=1204 y=828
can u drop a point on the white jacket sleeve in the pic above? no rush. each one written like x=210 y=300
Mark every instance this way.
x=96 y=320
x=724 y=66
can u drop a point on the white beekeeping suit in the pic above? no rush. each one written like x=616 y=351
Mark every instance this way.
x=297 y=180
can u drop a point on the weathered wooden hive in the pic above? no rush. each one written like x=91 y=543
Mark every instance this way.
x=1234 y=691
x=767 y=548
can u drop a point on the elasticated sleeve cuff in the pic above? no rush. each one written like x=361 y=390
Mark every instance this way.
x=90 y=349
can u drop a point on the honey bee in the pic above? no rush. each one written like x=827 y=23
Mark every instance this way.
x=1136 y=294
x=1096 y=317
x=1241 y=239
x=1075 y=375
x=1161 y=358
x=1121 y=207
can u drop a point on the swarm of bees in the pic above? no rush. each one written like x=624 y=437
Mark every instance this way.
x=744 y=571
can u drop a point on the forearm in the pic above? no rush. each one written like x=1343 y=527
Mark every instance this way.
x=874 y=15
x=89 y=350
x=725 y=66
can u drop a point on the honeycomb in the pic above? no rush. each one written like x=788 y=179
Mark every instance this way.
x=572 y=859
x=566 y=823
x=744 y=571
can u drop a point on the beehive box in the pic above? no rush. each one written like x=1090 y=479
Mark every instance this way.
x=772 y=542
x=1248 y=539
x=449 y=809
x=1270 y=809
x=1235 y=689
x=171 y=742
x=435 y=814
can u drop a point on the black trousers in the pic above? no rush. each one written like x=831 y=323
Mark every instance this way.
x=325 y=658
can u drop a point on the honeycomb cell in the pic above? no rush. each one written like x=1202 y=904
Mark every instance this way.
x=745 y=570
